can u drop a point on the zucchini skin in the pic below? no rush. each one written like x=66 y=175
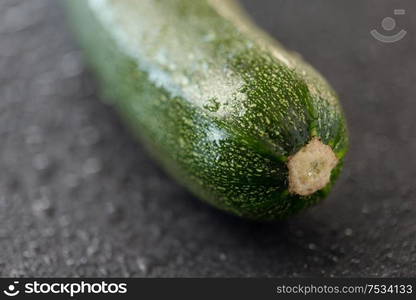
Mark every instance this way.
x=219 y=103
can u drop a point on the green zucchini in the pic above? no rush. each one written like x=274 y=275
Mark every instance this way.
x=241 y=122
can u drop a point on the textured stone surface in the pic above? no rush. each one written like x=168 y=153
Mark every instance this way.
x=79 y=197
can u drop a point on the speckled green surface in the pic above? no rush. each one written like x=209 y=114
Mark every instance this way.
x=220 y=104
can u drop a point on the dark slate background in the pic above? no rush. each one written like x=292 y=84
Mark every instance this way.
x=80 y=197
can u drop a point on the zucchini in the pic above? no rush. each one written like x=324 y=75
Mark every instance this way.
x=241 y=122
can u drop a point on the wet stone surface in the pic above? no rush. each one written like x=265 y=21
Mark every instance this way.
x=80 y=197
